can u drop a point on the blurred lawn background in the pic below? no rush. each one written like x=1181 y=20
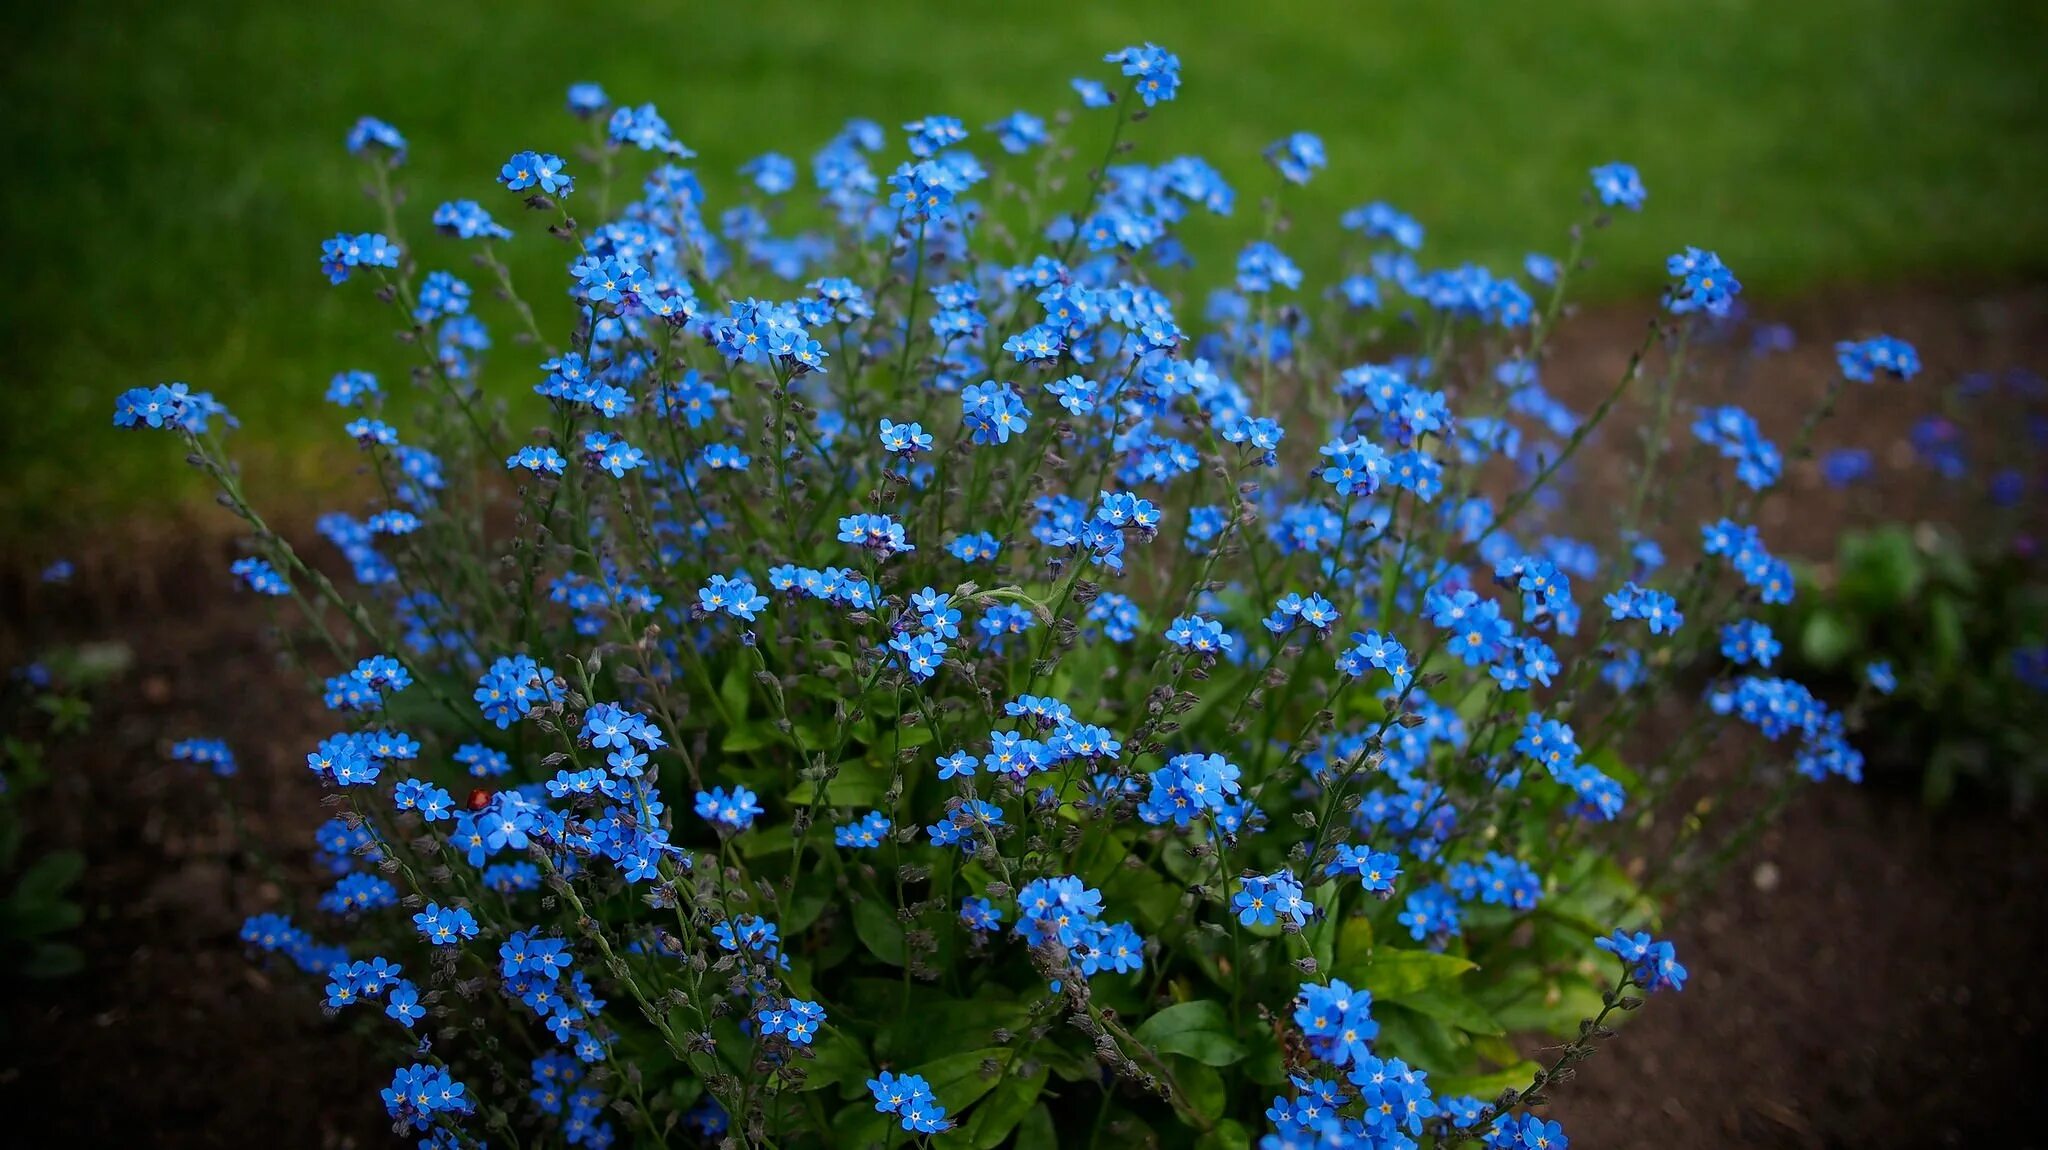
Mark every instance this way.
x=174 y=166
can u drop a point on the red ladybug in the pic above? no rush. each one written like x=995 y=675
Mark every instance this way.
x=479 y=799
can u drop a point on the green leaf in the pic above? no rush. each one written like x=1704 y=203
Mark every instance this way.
x=1199 y=1029
x=684 y=1092
x=1446 y=1004
x=859 y=1126
x=1420 y=1039
x=1036 y=1131
x=734 y=692
x=839 y=1059
x=1266 y=1066
x=1828 y=638
x=814 y=892
x=763 y=840
x=879 y=931
x=1228 y=1134
x=752 y=737
x=1068 y=1064
x=1155 y=899
x=1945 y=620
x=1321 y=935
x=1486 y=1087
x=1003 y=1109
x=1938 y=784
x=853 y=786
x=54 y=960
x=1529 y=1000
x=908 y=737
x=1354 y=942
x=957 y=1079
x=1201 y=1088
x=33 y=918
x=50 y=876
x=1391 y=972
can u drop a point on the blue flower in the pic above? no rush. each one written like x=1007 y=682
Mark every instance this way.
x=644 y=128
x=877 y=533
x=993 y=412
x=1093 y=95
x=1355 y=467
x=448 y=926
x=539 y=460
x=734 y=596
x=1019 y=132
x=1846 y=466
x=1383 y=221
x=542 y=170
x=797 y=1023
x=933 y=134
x=957 y=764
x=1704 y=283
x=1261 y=267
x=1374 y=650
x=1653 y=965
x=420 y=1091
x=587 y=99
x=1261 y=900
x=772 y=172
x=467 y=219
x=1525 y=1132
x=1861 y=362
x=1297 y=157
x=736 y=811
x=1747 y=641
x=1157 y=71
x=1618 y=186
x=979 y=914
x=909 y=1098
x=260 y=576
x=211 y=753
x=1499 y=879
x=1041 y=343
x=1656 y=609
x=1732 y=432
x=868 y=833
x=1376 y=870
x=1200 y=635
x=1337 y=1021
x=926 y=190
x=904 y=438
x=341 y=760
x=1431 y=914
x=371 y=135
x=345 y=252
x=403 y=1004
x=607 y=453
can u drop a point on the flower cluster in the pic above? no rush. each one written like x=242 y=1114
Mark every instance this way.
x=815 y=683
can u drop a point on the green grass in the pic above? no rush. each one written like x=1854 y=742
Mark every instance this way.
x=172 y=167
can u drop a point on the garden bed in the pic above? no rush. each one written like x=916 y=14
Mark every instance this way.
x=1861 y=978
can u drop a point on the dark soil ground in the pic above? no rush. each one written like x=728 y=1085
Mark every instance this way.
x=1864 y=978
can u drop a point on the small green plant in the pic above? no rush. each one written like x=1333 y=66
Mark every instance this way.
x=45 y=701
x=1960 y=629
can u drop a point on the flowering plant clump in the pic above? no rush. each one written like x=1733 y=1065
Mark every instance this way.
x=925 y=679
